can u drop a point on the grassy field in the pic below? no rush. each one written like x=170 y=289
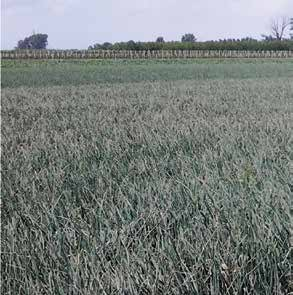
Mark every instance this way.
x=76 y=72
x=147 y=177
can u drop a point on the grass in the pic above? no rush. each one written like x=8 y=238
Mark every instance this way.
x=77 y=72
x=147 y=179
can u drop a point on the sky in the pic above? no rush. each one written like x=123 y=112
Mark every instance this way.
x=76 y=24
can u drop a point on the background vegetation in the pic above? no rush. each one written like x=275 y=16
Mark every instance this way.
x=229 y=44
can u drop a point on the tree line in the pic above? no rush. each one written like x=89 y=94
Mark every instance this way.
x=227 y=44
x=275 y=41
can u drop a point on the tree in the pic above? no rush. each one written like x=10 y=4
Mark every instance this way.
x=35 y=41
x=188 y=38
x=268 y=37
x=160 y=40
x=131 y=45
x=279 y=28
x=248 y=39
x=106 y=45
x=95 y=46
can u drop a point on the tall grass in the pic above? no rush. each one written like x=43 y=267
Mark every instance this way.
x=181 y=187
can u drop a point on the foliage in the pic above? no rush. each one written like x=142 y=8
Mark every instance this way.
x=188 y=38
x=160 y=40
x=228 y=44
x=268 y=38
x=152 y=187
x=104 y=46
x=131 y=45
x=35 y=41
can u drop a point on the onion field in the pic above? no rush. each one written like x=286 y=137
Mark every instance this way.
x=147 y=177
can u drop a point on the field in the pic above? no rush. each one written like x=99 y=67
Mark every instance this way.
x=147 y=177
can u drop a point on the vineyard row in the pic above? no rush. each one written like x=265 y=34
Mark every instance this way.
x=143 y=54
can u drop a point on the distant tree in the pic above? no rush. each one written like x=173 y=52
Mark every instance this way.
x=248 y=39
x=35 y=41
x=95 y=46
x=160 y=40
x=268 y=37
x=106 y=45
x=188 y=38
x=21 y=44
x=131 y=45
x=279 y=28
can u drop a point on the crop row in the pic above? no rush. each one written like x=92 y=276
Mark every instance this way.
x=136 y=54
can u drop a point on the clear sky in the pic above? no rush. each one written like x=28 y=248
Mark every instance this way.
x=80 y=23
